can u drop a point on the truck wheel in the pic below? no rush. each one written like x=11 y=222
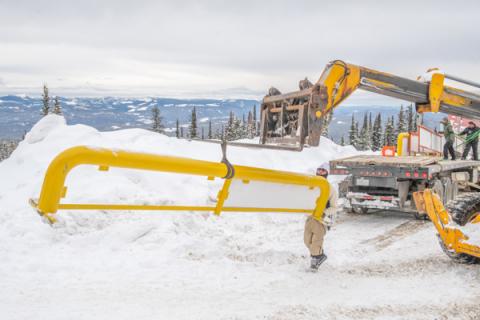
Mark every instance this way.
x=356 y=209
x=464 y=208
x=458 y=257
x=420 y=216
x=361 y=210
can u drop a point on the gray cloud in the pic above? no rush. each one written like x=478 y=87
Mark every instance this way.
x=192 y=47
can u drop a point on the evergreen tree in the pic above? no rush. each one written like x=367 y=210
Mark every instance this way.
x=416 y=120
x=57 y=108
x=353 y=133
x=244 y=128
x=363 y=142
x=177 y=130
x=250 y=126
x=157 y=125
x=377 y=142
x=342 y=141
x=181 y=132
x=402 y=124
x=410 y=119
x=7 y=147
x=193 y=124
x=389 y=137
x=370 y=131
x=203 y=133
x=237 y=130
x=45 y=100
x=229 y=129
x=210 y=134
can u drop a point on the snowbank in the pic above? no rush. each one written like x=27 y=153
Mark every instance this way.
x=103 y=265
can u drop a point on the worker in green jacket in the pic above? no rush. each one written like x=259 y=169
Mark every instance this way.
x=449 y=139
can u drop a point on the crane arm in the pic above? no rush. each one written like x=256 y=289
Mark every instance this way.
x=339 y=80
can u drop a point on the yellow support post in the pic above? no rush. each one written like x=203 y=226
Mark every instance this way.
x=222 y=196
x=400 y=144
x=53 y=184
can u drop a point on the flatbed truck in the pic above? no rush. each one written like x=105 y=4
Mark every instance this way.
x=388 y=183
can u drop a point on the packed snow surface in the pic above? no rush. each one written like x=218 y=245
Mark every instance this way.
x=167 y=265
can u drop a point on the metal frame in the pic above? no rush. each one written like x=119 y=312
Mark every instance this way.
x=53 y=188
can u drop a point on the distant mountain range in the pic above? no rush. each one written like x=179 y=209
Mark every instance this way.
x=19 y=113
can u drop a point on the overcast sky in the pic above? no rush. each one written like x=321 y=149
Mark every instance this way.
x=224 y=48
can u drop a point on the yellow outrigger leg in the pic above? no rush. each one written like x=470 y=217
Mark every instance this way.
x=53 y=188
x=453 y=239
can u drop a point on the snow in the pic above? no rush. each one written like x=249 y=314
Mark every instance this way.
x=165 y=265
x=472 y=231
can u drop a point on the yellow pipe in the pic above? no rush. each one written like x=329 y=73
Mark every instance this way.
x=222 y=196
x=53 y=184
x=400 y=138
x=80 y=206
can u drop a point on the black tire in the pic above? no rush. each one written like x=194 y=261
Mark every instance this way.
x=464 y=208
x=458 y=257
x=359 y=210
x=420 y=216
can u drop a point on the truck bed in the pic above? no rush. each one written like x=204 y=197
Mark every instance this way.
x=435 y=164
x=375 y=160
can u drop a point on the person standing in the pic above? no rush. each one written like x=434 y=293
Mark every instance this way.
x=472 y=132
x=315 y=230
x=449 y=139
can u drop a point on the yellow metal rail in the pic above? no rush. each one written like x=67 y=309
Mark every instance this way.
x=53 y=188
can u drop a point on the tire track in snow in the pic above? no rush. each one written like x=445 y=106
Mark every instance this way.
x=399 y=232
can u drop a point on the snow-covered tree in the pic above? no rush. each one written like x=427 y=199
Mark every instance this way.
x=250 y=126
x=342 y=141
x=45 y=100
x=389 y=136
x=6 y=148
x=370 y=131
x=377 y=142
x=229 y=130
x=402 y=123
x=353 y=133
x=237 y=130
x=57 y=108
x=193 y=124
x=417 y=119
x=410 y=119
x=364 y=137
x=157 y=125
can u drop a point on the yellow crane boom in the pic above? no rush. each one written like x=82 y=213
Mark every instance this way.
x=297 y=118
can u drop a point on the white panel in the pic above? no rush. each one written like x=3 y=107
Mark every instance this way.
x=425 y=138
x=414 y=144
x=271 y=195
x=405 y=146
